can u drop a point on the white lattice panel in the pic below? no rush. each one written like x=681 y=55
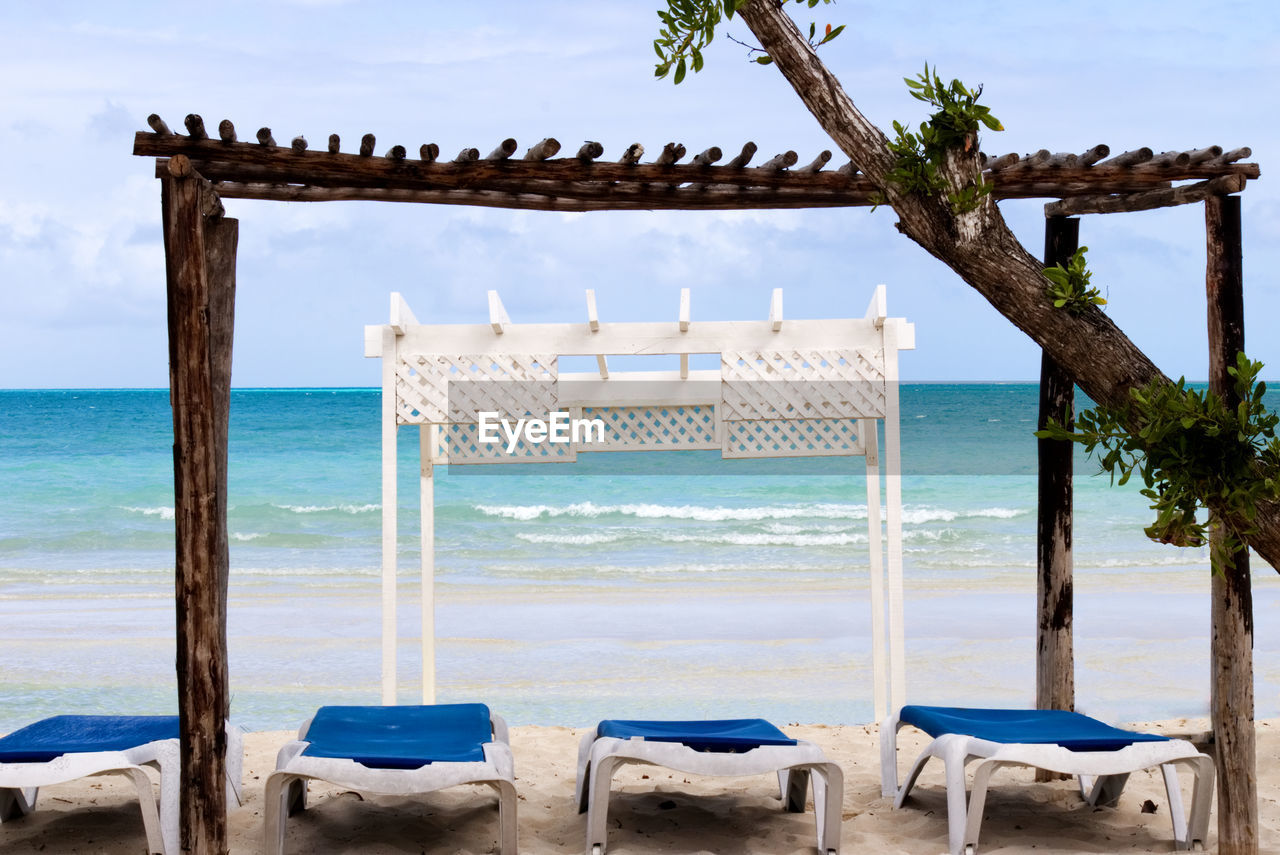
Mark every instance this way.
x=792 y=438
x=687 y=426
x=435 y=389
x=460 y=444
x=802 y=384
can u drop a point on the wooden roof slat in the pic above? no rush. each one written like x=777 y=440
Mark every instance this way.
x=195 y=126
x=226 y=131
x=299 y=144
x=157 y=124
x=584 y=183
x=1146 y=201
x=367 y=142
x=505 y=149
x=548 y=147
x=335 y=143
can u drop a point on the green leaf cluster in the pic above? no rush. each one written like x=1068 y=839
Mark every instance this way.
x=1069 y=286
x=688 y=26
x=953 y=126
x=1191 y=451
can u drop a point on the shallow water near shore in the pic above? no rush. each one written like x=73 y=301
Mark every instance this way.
x=671 y=584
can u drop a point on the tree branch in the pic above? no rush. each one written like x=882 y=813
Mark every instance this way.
x=978 y=246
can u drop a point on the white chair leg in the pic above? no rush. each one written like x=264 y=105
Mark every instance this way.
x=598 y=804
x=953 y=758
x=506 y=817
x=1201 y=799
x=828 y=805
x=584 y=770
x=156 y=841
x=797 y=789
x=889 y=758
x=1176 y=814
x=16 y=803
x=977 y=803
x=1107 y=789
x=279 y=788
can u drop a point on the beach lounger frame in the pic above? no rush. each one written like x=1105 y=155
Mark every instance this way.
x=1102 y=776
x=20 y=783
x=286 y=788
x=796 y=765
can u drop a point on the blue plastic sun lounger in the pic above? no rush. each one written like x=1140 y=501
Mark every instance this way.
x=736 y=747
x=397 y=750
x=66 y=747
x=1056 y=740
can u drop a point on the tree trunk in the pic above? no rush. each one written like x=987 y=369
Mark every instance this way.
x=1232 y=652
x=977 y=245
x=200 y=267
x=1055 y=657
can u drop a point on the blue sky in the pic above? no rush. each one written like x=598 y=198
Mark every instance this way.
x=81 y=262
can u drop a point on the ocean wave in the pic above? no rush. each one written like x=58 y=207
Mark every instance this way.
x=246 y=536
x=699 y=513
x=572 y=539
x=720 y=513
x=163 y=512
x=748 y=538
x=320 y=509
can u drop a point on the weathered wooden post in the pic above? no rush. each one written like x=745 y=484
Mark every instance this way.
x=1231 y=659
x=200 y=249
x=1055 y=659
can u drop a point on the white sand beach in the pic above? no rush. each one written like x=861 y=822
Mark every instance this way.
x=655 y=810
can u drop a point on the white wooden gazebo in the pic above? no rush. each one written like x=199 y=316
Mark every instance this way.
x=795 y=388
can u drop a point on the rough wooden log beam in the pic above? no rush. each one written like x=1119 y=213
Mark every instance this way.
x=708 y=157
x=632 y=155
x=650 y=198
x=1063 y=158
x=335 y=143
x=1004 y=161
x=298 y=144
x=245 y=162
x=396 y=152
x=1129 y=158
x=548 y=147
x=505 y=149
x=1201 y=155
x=428 y=152
x=589 y=151
x=742 y=158
x=1169 y=158
x=1146 y=201
x=815 y=166
x=779 y=162
x=265 y=139
x=467 y=155
x=157 y=124
x=1095 y=154
x=1233 y=155
x=226 y=131
x=1231 y=651
x=848 y=169
x=671 y=152
x=195 y=127
x=200 y=264
x=367 y=142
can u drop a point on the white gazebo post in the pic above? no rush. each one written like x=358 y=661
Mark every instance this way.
x=803 y=388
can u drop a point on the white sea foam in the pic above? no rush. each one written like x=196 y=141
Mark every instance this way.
x=162 y=512
x=246 y=536
x=698 y=513
x=320 y=509
x=751 y=538
x=574 y=539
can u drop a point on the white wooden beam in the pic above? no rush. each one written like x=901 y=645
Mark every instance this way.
x=684 y=328
x=498 y=318
x=593 y=322
x=775 y=310
x=401 y=316
x=877 y=309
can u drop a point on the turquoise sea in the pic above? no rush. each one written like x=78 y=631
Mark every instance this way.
x=627 y=585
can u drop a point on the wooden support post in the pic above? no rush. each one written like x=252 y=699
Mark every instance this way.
x=1055 y=658
x=1231 y=658
x=200 y=251
x=427 y=564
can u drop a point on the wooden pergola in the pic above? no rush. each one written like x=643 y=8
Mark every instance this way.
x=198 y=171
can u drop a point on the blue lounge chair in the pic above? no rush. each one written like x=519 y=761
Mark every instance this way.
x=66 y=747
x=397 y=750
x=735 y=747
x=1056 y=740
